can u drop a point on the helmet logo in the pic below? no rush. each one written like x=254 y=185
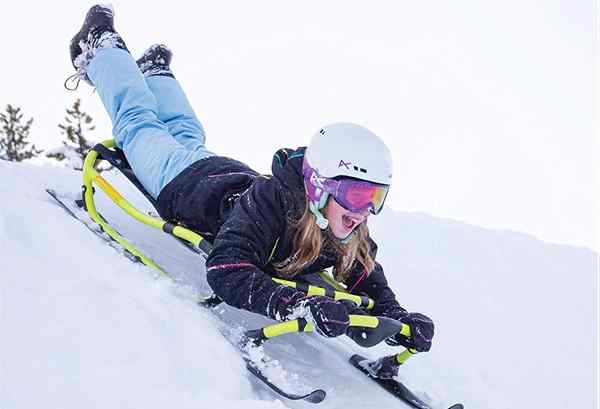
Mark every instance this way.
x=345 y=164
x=348 y=164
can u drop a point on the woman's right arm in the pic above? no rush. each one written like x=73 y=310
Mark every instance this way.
x=243 y=245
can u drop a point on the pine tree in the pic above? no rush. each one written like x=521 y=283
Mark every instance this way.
x=77 y=125
x=13 y=136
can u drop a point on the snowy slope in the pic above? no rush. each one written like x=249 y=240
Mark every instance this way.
x=84 y=327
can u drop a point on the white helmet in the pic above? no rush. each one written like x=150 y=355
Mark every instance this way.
x=347 y=150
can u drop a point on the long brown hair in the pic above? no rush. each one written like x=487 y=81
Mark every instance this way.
x=308 y=242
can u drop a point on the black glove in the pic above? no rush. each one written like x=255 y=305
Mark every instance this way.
x=329 y=317
x=421 y=332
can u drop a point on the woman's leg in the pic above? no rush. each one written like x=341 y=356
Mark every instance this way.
x=174 y=108
x=176 y=112
x=155 y=157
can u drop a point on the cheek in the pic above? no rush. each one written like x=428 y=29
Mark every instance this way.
x=336 y=222
x=333 y=211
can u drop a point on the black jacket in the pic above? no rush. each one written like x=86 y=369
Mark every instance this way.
x=247 y=215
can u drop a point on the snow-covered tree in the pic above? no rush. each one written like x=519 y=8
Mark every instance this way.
x=13 y=136
x=77 y=125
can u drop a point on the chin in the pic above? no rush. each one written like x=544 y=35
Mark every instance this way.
x=338 y=236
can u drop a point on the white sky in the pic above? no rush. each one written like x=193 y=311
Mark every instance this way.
x=487 y=106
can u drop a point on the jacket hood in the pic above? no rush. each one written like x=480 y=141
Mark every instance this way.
x=287 y=169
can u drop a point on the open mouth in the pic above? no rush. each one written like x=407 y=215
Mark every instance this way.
x=349 y=222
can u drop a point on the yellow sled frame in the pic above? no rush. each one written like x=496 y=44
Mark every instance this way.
x=92 y=178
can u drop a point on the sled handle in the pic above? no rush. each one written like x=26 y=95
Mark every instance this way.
x=380 y=328
x=360 y=301
x=403 y=356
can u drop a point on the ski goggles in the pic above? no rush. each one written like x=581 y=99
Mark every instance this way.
x=357 y=195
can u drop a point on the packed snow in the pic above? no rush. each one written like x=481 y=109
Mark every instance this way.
x=83 y=327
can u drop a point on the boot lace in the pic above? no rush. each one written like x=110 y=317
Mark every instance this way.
x=98 y=39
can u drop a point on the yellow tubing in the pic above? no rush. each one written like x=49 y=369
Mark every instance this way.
x=338 y=295
x=287 y=327
x=403 y=356
x=92 y=177
x=89 y=176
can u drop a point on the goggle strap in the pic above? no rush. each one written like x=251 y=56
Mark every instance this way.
x=323 y=200
x=321 y=221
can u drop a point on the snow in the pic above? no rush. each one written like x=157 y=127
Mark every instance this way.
x=83 y=327
x=73 y=159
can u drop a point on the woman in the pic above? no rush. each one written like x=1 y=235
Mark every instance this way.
x=309 y=215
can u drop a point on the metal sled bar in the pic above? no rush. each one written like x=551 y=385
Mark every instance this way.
x=380 y=327
x=360 y=301
x=91 y=177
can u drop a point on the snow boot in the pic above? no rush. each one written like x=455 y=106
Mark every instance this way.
x=97 y=33
x=156 y=61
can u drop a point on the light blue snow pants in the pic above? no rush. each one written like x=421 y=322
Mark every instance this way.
x=153 y=122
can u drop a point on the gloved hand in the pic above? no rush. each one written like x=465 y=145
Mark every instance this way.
x=421 y=332
x=329 y=317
